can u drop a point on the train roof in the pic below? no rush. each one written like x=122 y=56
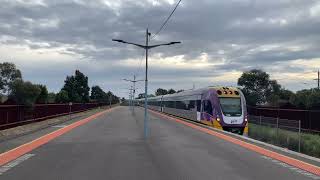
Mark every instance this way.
x=196 y=94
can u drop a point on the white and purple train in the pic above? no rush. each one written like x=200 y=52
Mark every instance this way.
x=220 y=107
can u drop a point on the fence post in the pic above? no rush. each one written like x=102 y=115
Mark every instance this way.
x=299 y=147
x=7 y=118
x=260 y=119
x=70 y=104
x=278 y=129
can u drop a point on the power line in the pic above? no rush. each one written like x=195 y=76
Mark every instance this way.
x=139 y=69
x=165 y=22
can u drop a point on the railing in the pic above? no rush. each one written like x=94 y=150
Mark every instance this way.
x=310 y=119
x=15 y=115
x=277 y=123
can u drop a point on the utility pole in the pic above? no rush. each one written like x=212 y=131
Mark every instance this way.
x=145 y=122
x=134 y=86
x=146 y=47
x=130 y=95
x=318 y=79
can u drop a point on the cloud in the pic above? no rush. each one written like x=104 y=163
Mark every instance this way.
x=49 y=39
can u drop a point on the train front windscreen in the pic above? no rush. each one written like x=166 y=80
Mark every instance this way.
x=231 y=106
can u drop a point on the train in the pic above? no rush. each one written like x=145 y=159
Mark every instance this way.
x=220 y=107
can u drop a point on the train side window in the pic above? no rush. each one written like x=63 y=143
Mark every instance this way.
x=172 y=104
x=186 y=105
x=207 y=107
x=164 y=104
x=180 y=105
x=199 y=105
x=191 y=105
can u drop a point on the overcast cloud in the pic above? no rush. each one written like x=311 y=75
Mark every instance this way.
x=49 y=39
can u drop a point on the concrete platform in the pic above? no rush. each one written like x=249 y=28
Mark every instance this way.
x=112 y=147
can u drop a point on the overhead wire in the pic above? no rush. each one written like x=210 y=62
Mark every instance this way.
x=138 y=71
x=166 y=21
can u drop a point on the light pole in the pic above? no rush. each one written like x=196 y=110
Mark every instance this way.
x=318 y=79
x=134 y=86
x=146 y=47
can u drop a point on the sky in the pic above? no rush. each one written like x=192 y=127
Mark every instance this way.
x=50 y=39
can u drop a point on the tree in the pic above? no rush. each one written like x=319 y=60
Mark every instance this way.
x=62 y=97
x=97 y=94
x=77 y=87
x=140 y=96
x=171 y=91
x=257 y=86
x=112 y=98
x=161 y=91
x=306 y=98
x=24 y=93
x=8 y=74
x=51 y=97
x=181 y=90
x=83 y=88
x=43 y=96
x=285 y=94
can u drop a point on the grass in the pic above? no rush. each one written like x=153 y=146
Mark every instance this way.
x=310 y=143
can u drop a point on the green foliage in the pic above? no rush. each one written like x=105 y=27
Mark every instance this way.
x=141 y=95
x=256 y=86
x=62 y=97
x=161 y=91
x=259 y=89
x=43 y=96
x=273 y=99
x=77 y=87
x=171 y=91
x=51 y=97
x=306 y=98
x=97 y=94
x=310 y=143
x=24 y=93
x=112 y=98
x=8 y=74
x=285 y=94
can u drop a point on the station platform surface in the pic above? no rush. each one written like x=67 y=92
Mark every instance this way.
x=112 y=146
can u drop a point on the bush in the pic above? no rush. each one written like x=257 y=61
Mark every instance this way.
x=310 y=143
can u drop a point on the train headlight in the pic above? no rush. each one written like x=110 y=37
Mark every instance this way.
x=218 y=119
x=246 y=119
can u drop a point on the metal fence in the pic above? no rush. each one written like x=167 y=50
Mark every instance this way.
x=310 y=119
x=280 y=131
x=15 y=115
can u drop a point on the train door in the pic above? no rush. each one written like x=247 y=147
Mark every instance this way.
x=199 y=109
x=207 y=111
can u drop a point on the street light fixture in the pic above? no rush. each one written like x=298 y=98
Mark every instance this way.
x=146 y=47
x=134 y=88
